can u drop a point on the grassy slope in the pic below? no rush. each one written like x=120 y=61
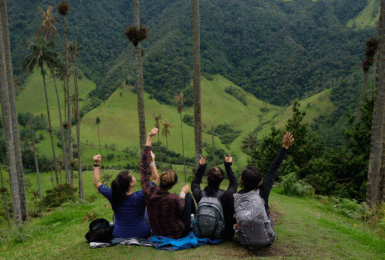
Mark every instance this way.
x=307 y=229
x=119 y=117
x=367 y=18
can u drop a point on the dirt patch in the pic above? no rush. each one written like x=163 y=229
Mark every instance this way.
x=275 y=215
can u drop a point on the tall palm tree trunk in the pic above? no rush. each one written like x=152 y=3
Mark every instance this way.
x=378 y=117
x=70 y=153
x=7 y=120
x=184 y=159
x=50 y=128
x=62 y=131
x=77 y=116
x=12 y=101
x=139 y=79
x=36 y=162
x=197 y=81
x=381 y=183
x=5 y=197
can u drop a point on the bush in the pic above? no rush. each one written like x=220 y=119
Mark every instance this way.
x=58 y=195
x=353 y=209
x=293 y=187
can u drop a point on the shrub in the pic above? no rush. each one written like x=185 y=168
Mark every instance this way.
x=353 y=209
x=58 y=195
x=293 y=187
x=238 y=94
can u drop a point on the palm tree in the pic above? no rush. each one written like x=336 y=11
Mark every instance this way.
x=41 y=55
x=36 y=162
x=378 y=117
x=180 y=99
x=74 y=50
x=165 y=133
x=197 y=81
x=54 y=75
x=12 y=100
x=250 y=143
x=4 y=191
x=136 y=34
x=7 y=121
x=158 y=119
x=63 y=9
x=48 y=24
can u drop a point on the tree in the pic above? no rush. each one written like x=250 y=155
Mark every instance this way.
x=250 y=143
x=12 y=101
x=48 y=24
x=197 y=81
x=158 y=119
x=42 y=55
x=136 y=34
x=180 y=99
x=63 y=9
x=7 y=121
x=165 y=133
x=378 y=117
x=36 y=162
x=74 y=50
x=54 y=75
x=4 y=191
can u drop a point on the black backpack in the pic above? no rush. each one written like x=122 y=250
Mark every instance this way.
x=210 y=221
x=100 y=231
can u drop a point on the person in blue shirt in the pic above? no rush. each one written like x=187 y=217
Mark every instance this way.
x=129 y=207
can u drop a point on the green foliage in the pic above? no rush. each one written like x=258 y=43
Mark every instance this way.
x=353 y=209
x=21 y=234
x=226 y=133
x=237 y=94
x=58 y=195
x=292 y=186
x=188 y=120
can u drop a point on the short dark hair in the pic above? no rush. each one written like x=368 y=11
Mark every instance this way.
x=215 y=176
x=168 y=179
x=120 y=186
x=250 y=178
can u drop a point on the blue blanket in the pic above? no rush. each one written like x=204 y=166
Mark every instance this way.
x=190 y=241
x=160 y=242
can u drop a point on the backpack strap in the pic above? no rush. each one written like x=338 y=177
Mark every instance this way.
x=219 y=194
x=203 y=194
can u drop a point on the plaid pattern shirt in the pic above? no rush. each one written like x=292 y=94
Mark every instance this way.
x=164 y=209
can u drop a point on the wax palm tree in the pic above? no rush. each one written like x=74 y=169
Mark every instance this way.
x=12 y=101
x=197 y=81
x=250 y=143
x=48 y=24
x=165 y=133
x=42 y=55
x=180 y=99
x=157 y=119
x=63 y=9
x=378 y=117
x=8 y=132
x=4 y=191
x=36 y=161
x=136 y=34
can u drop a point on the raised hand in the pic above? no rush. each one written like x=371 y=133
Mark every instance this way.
x=203 y=160
x=97 y=158
x=186 y=189
x=154 y=131
x=228 y=159
x=287 y=140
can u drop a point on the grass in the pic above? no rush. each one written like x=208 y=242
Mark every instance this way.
x=367 y=18
x=307 y=229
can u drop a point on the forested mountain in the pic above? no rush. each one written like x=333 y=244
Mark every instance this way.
x=278 y=50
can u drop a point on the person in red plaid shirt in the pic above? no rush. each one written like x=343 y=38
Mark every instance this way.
x=170 y=214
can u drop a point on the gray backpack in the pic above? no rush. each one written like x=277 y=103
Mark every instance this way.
x=210 y=221
x=255 y=226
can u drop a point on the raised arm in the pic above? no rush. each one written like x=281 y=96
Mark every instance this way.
x=97 y=159
x=268 y=183
x=195 y=184
x=233 y=186
x=154 y=171
x=145 y=171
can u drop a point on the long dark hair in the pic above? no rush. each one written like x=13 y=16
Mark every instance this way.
x=120 y=186
x=250 y=178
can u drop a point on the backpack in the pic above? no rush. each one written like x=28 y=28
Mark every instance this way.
x=100 y=231
x=210 y=221
x=255 y=226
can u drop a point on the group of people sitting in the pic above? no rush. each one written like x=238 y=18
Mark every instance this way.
x=218 y=214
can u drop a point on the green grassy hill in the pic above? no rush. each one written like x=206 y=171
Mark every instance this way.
x=306 y=228
x=119 y=117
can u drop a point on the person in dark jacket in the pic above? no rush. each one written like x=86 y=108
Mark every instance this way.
x=169 y=214
x=215 y=177
x=251 y=178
